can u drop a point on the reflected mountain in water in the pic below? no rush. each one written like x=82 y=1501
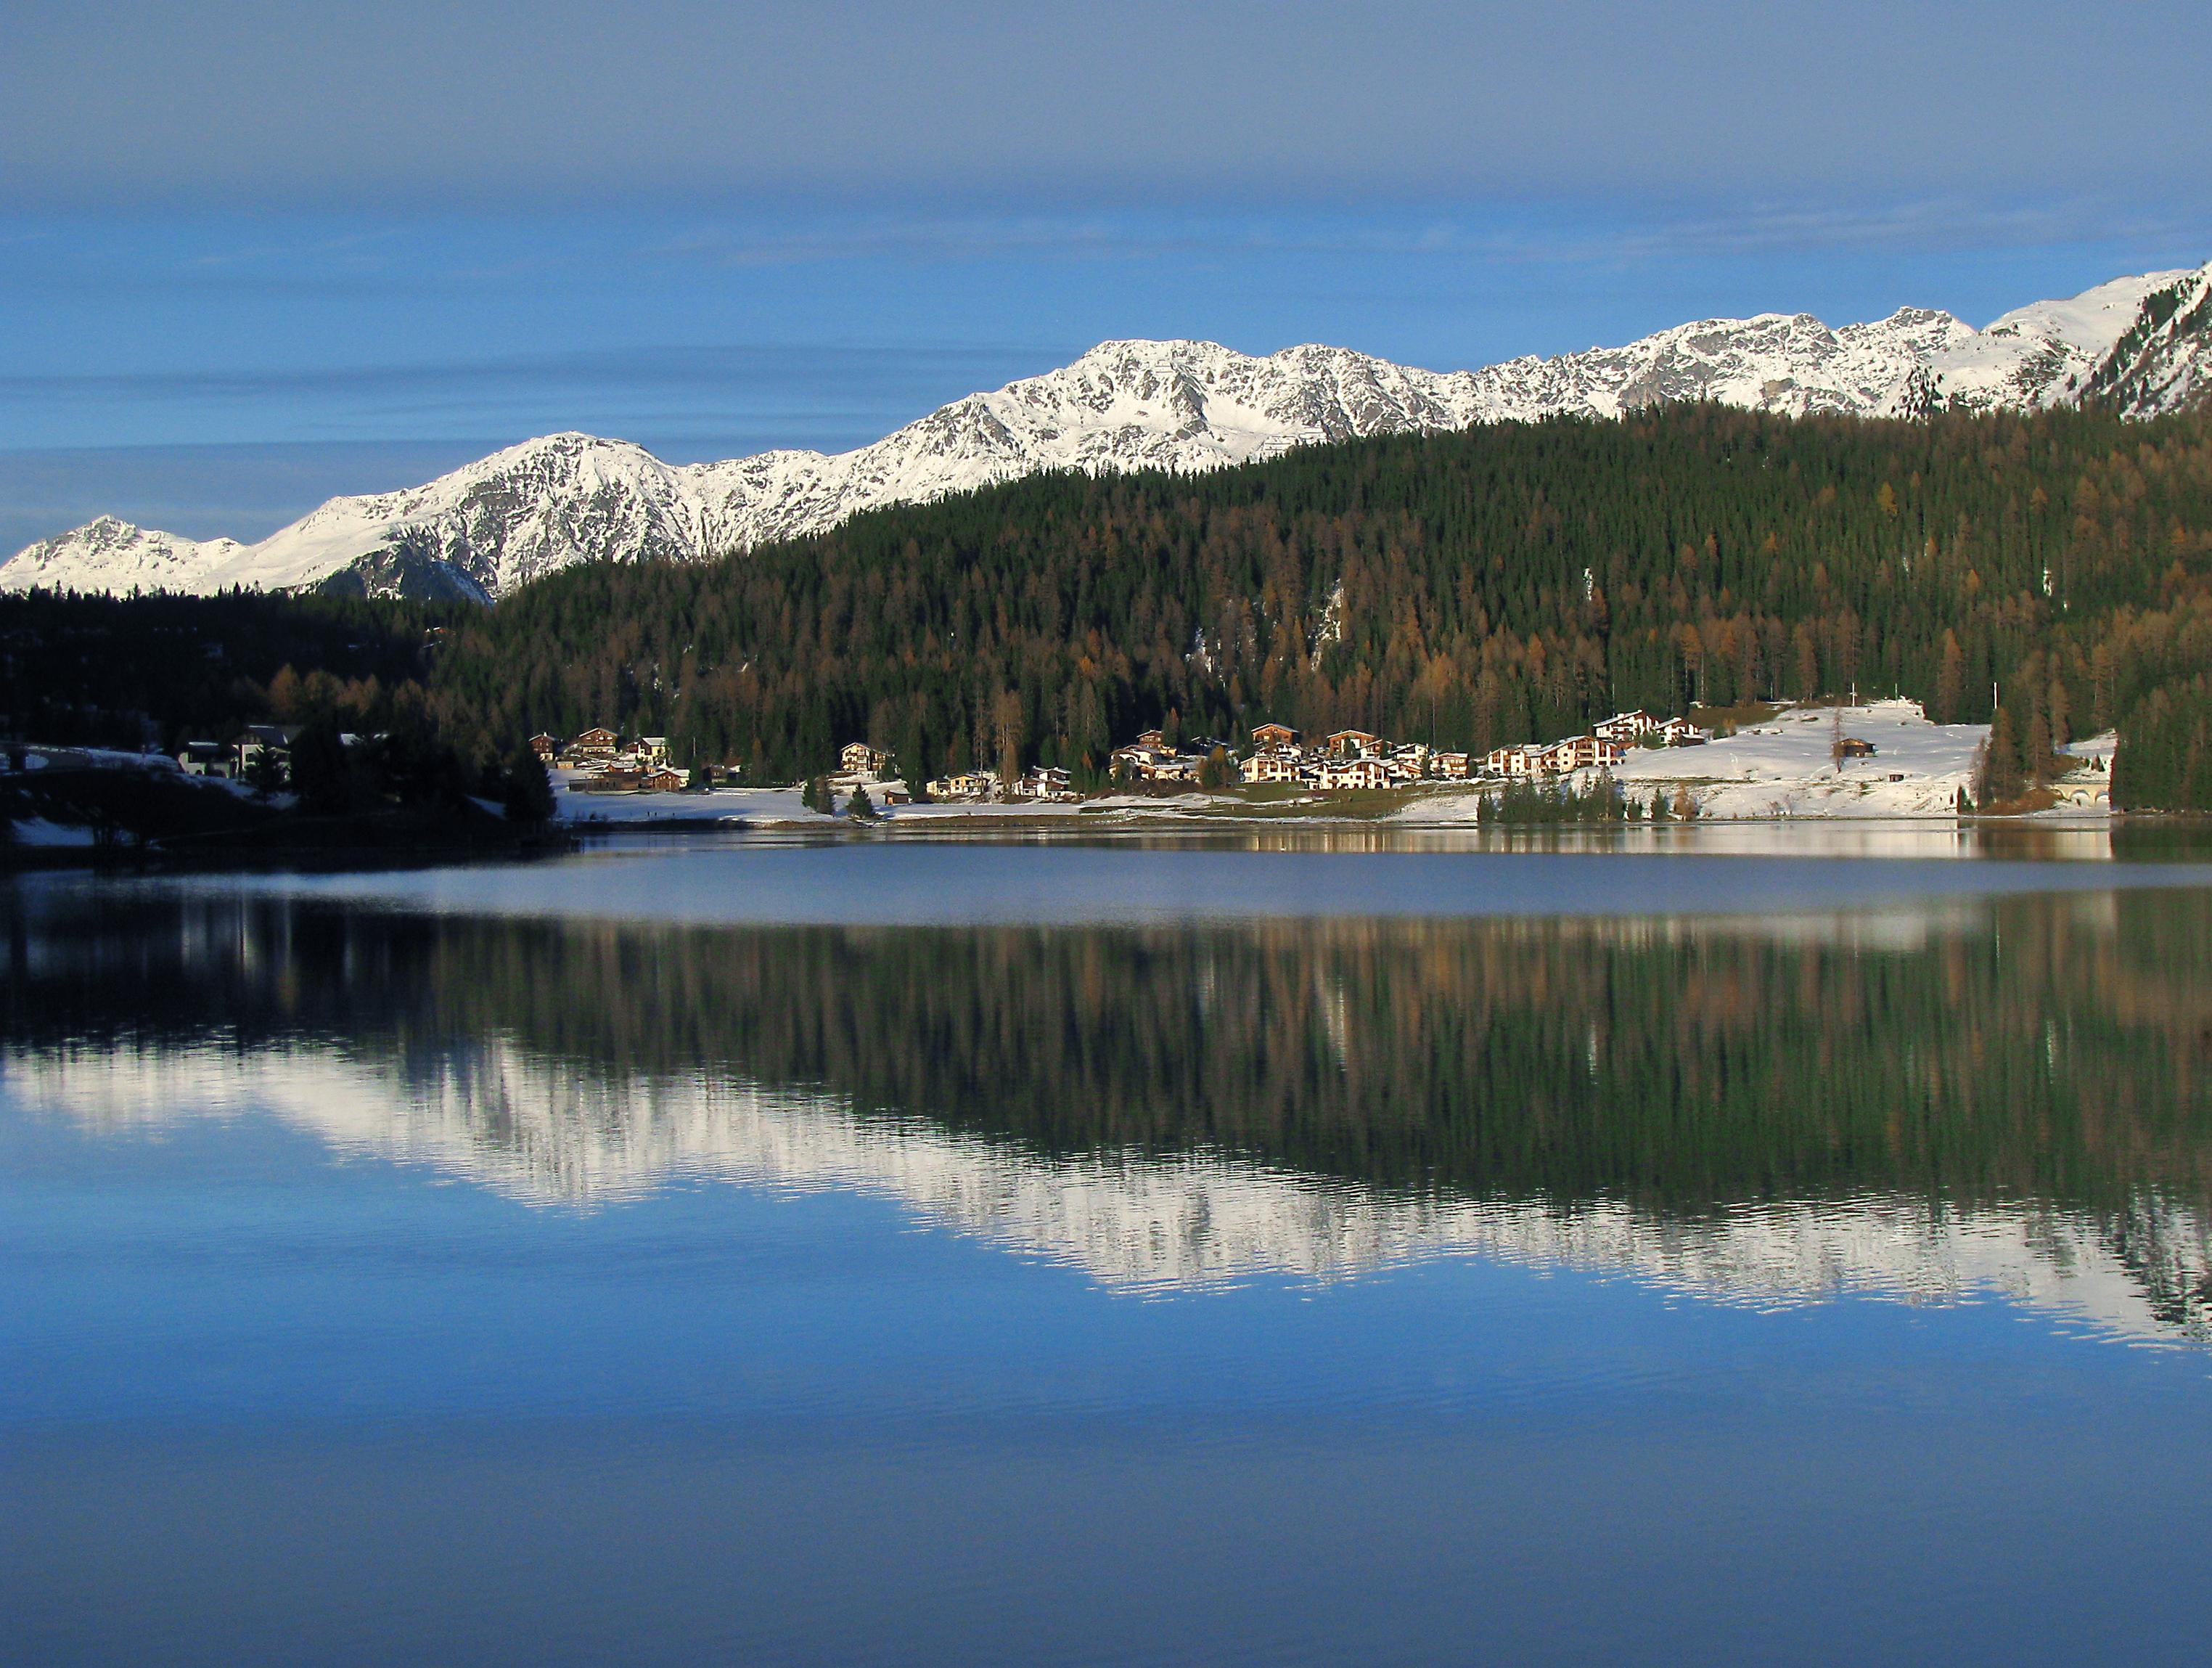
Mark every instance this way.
x=513 y=1122
x=2005 y=1099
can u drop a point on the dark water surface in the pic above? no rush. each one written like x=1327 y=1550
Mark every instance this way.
x=970 y=1253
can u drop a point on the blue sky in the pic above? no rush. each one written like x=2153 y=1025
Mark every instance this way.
x=253 y=253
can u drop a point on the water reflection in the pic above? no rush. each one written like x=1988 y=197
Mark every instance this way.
x=2098 y=839
x=1999 y=1096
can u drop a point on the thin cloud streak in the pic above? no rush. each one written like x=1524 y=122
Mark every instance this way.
x=1464 y=233
x=831 y=370
x=675 y=399
x=608 y=253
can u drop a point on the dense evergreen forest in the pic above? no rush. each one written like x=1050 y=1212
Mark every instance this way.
x=127 y=672
x=1500 y=584
x=1505 y=583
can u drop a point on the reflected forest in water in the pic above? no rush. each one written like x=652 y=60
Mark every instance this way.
x=2044 y=1048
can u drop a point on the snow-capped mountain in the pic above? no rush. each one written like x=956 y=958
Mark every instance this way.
x=109 y=554
x=2142 y=344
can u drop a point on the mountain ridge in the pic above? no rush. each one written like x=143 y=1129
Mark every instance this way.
x=2142 y=344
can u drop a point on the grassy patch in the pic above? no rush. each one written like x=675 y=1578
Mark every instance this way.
x=1727 y=721
x=1284 y=800
x=2035 y=800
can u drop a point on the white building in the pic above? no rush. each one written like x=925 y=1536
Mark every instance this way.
x=1528 y=759
x=858 y=760
x=965 y=785
x=1341 y=775
x=1270 y=766
x=1581 y=752
x=1043 y=781
x=1625 y=727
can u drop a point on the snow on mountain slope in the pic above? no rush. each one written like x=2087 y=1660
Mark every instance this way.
x=2163 y=361
x=112 y=554
x=2046 y=353
x=1795 y=365
x=2142 y=344
x=500 y=521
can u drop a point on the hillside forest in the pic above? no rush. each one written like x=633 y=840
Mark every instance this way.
x=2049 y=573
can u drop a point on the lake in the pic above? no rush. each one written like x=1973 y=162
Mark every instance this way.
x=1283 y=1248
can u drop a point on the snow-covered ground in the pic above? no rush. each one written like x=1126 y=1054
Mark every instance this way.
x=96 y=759
x=2097 y=748
x=37 y=832
x=723 y=804
x=1783 y=768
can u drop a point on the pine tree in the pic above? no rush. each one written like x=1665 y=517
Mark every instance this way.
x=2002 y=778
x=1950 y=680
x=2041 y=762
x=266 y=772
x=528 y=795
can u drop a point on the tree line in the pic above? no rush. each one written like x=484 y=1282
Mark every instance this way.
x=159 y=670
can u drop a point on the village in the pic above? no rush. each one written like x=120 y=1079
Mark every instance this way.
x=1790 y=764
x=1353 y=760
x=599 y=761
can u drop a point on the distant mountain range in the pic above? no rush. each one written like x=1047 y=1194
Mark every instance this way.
x=2139 y=345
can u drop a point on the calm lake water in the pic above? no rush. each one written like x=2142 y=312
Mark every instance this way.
x=1273 y=1249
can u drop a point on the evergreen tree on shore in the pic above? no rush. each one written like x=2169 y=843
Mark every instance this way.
x=2165 y=760
x=2001 y=778
x=529 y=792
